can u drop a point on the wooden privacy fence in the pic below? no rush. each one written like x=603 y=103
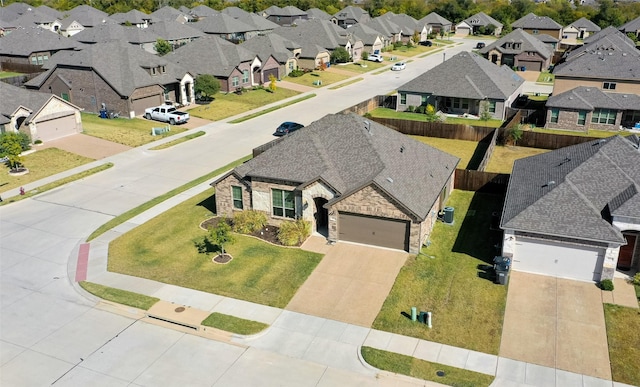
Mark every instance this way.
x=551 y=141
x=24 y=68
x=437 y=129
x=479 y=181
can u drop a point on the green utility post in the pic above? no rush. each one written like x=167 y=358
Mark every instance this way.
x=414 y=313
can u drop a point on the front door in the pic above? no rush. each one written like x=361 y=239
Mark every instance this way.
x=321 y=216
x=625 y=257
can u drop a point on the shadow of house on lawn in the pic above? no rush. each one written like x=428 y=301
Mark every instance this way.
x=475 y=237
x=209 y=203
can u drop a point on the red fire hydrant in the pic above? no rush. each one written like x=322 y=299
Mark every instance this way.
x=21 y=190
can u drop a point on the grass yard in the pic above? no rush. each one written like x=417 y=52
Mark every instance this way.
x=131 y=132
x=234 y=324
x=8 y=74
x=546 y=77
x=623 y=334
x=325 y=77
x=42 y=163
x=163 y=249
x=230 y=104
x=450 y=279
x=390 y=113
x=503 y=157
x=364 y=66
x=422 y=369
x=119 y=296
x=405 y=51
x=591 y=133
x=459 y=148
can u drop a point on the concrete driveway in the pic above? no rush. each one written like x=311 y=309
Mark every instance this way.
x=556 y=323
x=351 y=282
x=87 y=146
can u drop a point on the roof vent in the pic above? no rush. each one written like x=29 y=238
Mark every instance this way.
x=550 y=183
x=402 y=148
x=390 y=180
x=367 y=126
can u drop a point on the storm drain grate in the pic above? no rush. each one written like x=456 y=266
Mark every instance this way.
x=173 y=322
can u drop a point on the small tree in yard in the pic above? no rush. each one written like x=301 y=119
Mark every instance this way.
x=11 y=146
x=513 y=134
x=272 y=83
x=221 y=235
x=323 y=65
x=340 y=55
x=207 y=85
x=430 y=112
x=162 y=47
x=485 y=114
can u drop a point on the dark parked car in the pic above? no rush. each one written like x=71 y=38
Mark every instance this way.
x=480 y=45
x=427 y=43
x=287 y=127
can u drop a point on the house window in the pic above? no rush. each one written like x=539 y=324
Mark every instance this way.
x=492 y=106
x=290 y=65
x=235 y=81
x=457 y=103
x=163 y=69
x=423 y=100
x=535 y=32
x=153 y=71
x=582 y=117
x=609 y=86
x=403 y=98
x=65 y=96
x=604 y=116
x=237 y=197
x=283 y=203
x=245 y=76
x=34 y=60
x=554 y=116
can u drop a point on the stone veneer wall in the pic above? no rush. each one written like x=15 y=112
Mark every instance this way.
x=224 y=196
x=312 y=191
x=261 y=194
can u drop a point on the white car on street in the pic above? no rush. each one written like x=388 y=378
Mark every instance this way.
x=399 y=66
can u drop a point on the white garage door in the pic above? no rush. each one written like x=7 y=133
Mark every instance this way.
x=558 y=259
x=56 y=128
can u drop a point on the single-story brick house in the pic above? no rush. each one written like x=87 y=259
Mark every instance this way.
x=353 y=179
x=575 y=212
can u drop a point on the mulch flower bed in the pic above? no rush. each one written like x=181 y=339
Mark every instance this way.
x=222 y=258
x=268 y=233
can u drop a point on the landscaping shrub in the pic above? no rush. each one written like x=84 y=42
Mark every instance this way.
x=397 y=45
x=296 y=73
x=340 y=55
x=365 y=55
x=294 y=233
x=249 y=221
x=420 y=109
x=606 y=284
x=410 y=109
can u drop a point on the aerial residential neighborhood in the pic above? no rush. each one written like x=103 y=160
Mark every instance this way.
x=332 y=193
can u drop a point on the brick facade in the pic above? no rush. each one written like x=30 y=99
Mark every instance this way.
x=224 y=196
x=568 y=120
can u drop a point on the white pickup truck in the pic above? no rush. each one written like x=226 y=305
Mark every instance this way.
x=166 y=113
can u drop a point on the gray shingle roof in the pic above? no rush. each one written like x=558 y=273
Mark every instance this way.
x=34 y=17
x=482 y=19
x=466 y=75
x=172 y=30
x=314 y=32
x=586 y=24
x=315 y=13
x=88 y=16
x=533 y=21
x=24 y=41
x=167 y=13
x=119 y=63
x=258 y=22
x=109 y=32
x=210 y=55
x=351 y=12
x=590 y=98
x=50 y=11
x=203 y=11
x=13 y=97
x=235 y=12
x=433 y=19
x=222 y=24
x=271 y=44
x=134 y=17
x=408 y=24
x=527 y=42
x=366 y=33
x=385 y=26
x=610 y=57
x=565 y=192
x=339 y=150
x=631 y=26
x=601 y=34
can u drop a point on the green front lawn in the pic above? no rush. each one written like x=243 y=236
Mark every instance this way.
x=623 y=334
x=405 y=51
x=450 y=279
x=131 y=132
x=41 y=164
x=459 y=148
x=119 y=296
x=363 y=66
x=231 y=104
x=311 y=79
x=503 y=157
x=163 y=249
x=422 y=369
x=234 y=324
x=391 y=113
